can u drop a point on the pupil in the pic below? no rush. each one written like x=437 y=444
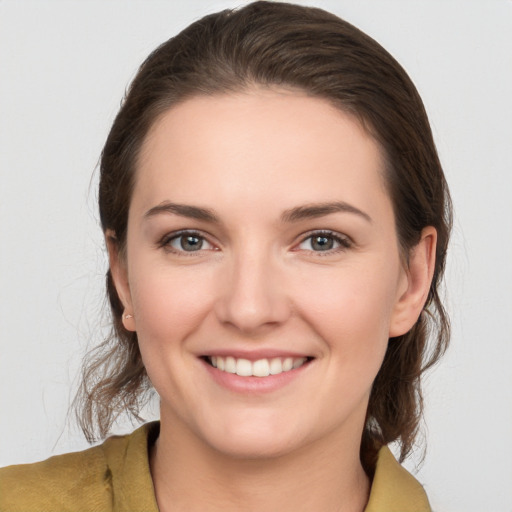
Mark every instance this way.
x=322 y=243
x=190 y=243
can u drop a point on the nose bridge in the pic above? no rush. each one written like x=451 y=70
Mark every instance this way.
x=254 y=295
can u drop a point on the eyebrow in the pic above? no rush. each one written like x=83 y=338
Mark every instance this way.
x=312 y=211
x=298 y=213
x=184 y=210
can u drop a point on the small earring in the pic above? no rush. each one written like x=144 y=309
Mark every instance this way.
x=127 y=316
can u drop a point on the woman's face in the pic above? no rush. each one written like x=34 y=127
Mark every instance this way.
x=261 y=241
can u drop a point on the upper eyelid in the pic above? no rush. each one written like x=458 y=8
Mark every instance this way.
x=179 y=232
x=326 y=232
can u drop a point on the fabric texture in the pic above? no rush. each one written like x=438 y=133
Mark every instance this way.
x=115 y=477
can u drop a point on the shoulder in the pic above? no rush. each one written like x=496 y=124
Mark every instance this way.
x=394 y=488
x=83 y=481
x=58 y=483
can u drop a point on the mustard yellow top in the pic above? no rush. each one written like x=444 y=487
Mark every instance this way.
x=115 y=477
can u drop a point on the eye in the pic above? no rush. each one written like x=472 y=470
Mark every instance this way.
x=187 y=241
x=324 y=241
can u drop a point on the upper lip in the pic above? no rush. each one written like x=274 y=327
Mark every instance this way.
x=255 y=355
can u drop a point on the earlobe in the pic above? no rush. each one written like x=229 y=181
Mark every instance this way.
x=120 y=277
x=419 y=274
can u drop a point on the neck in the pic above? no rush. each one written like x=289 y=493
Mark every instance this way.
x=189 y=475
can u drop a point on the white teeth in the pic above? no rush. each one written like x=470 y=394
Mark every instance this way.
x=243 y=367
x=299 y=362
x=230 y=364
x=276 y=366
x=259 y=368
x=287 y=364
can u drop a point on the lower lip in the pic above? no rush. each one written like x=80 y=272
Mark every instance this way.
x=254 y=385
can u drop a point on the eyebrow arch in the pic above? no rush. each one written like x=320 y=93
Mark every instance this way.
x=184 y=210
x=291 y=215
x=319 y=210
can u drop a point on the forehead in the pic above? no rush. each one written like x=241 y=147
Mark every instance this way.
x=255 y=146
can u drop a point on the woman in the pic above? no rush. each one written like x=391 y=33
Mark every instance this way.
x=277 y=220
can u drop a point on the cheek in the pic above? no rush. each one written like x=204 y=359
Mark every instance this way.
x=170 y=305
x=351 y=308
x=169 y=301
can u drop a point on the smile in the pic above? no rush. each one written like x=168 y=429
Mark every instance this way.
x=259 y=368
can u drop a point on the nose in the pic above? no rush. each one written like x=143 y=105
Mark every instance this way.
x=253 y=296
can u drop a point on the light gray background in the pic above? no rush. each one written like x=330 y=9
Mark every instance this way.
x=64 y=66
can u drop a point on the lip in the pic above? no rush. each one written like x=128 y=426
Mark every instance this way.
x=255 y=355
x=254 y=385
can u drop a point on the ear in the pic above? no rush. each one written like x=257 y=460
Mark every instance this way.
x=119 y=272
x=418 y=277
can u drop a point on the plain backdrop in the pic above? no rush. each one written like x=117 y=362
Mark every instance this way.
x=64 y=66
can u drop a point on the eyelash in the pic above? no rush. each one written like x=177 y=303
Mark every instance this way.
x=165 y=242
x=343 y=241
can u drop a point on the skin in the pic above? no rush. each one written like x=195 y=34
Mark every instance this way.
x=258 y=284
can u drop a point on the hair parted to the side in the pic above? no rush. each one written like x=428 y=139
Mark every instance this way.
x=272 y=44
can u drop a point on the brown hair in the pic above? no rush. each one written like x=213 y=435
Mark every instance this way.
x=278 y=44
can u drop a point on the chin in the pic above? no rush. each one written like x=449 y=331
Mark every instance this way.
x=254 y=446
x=252 y=437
